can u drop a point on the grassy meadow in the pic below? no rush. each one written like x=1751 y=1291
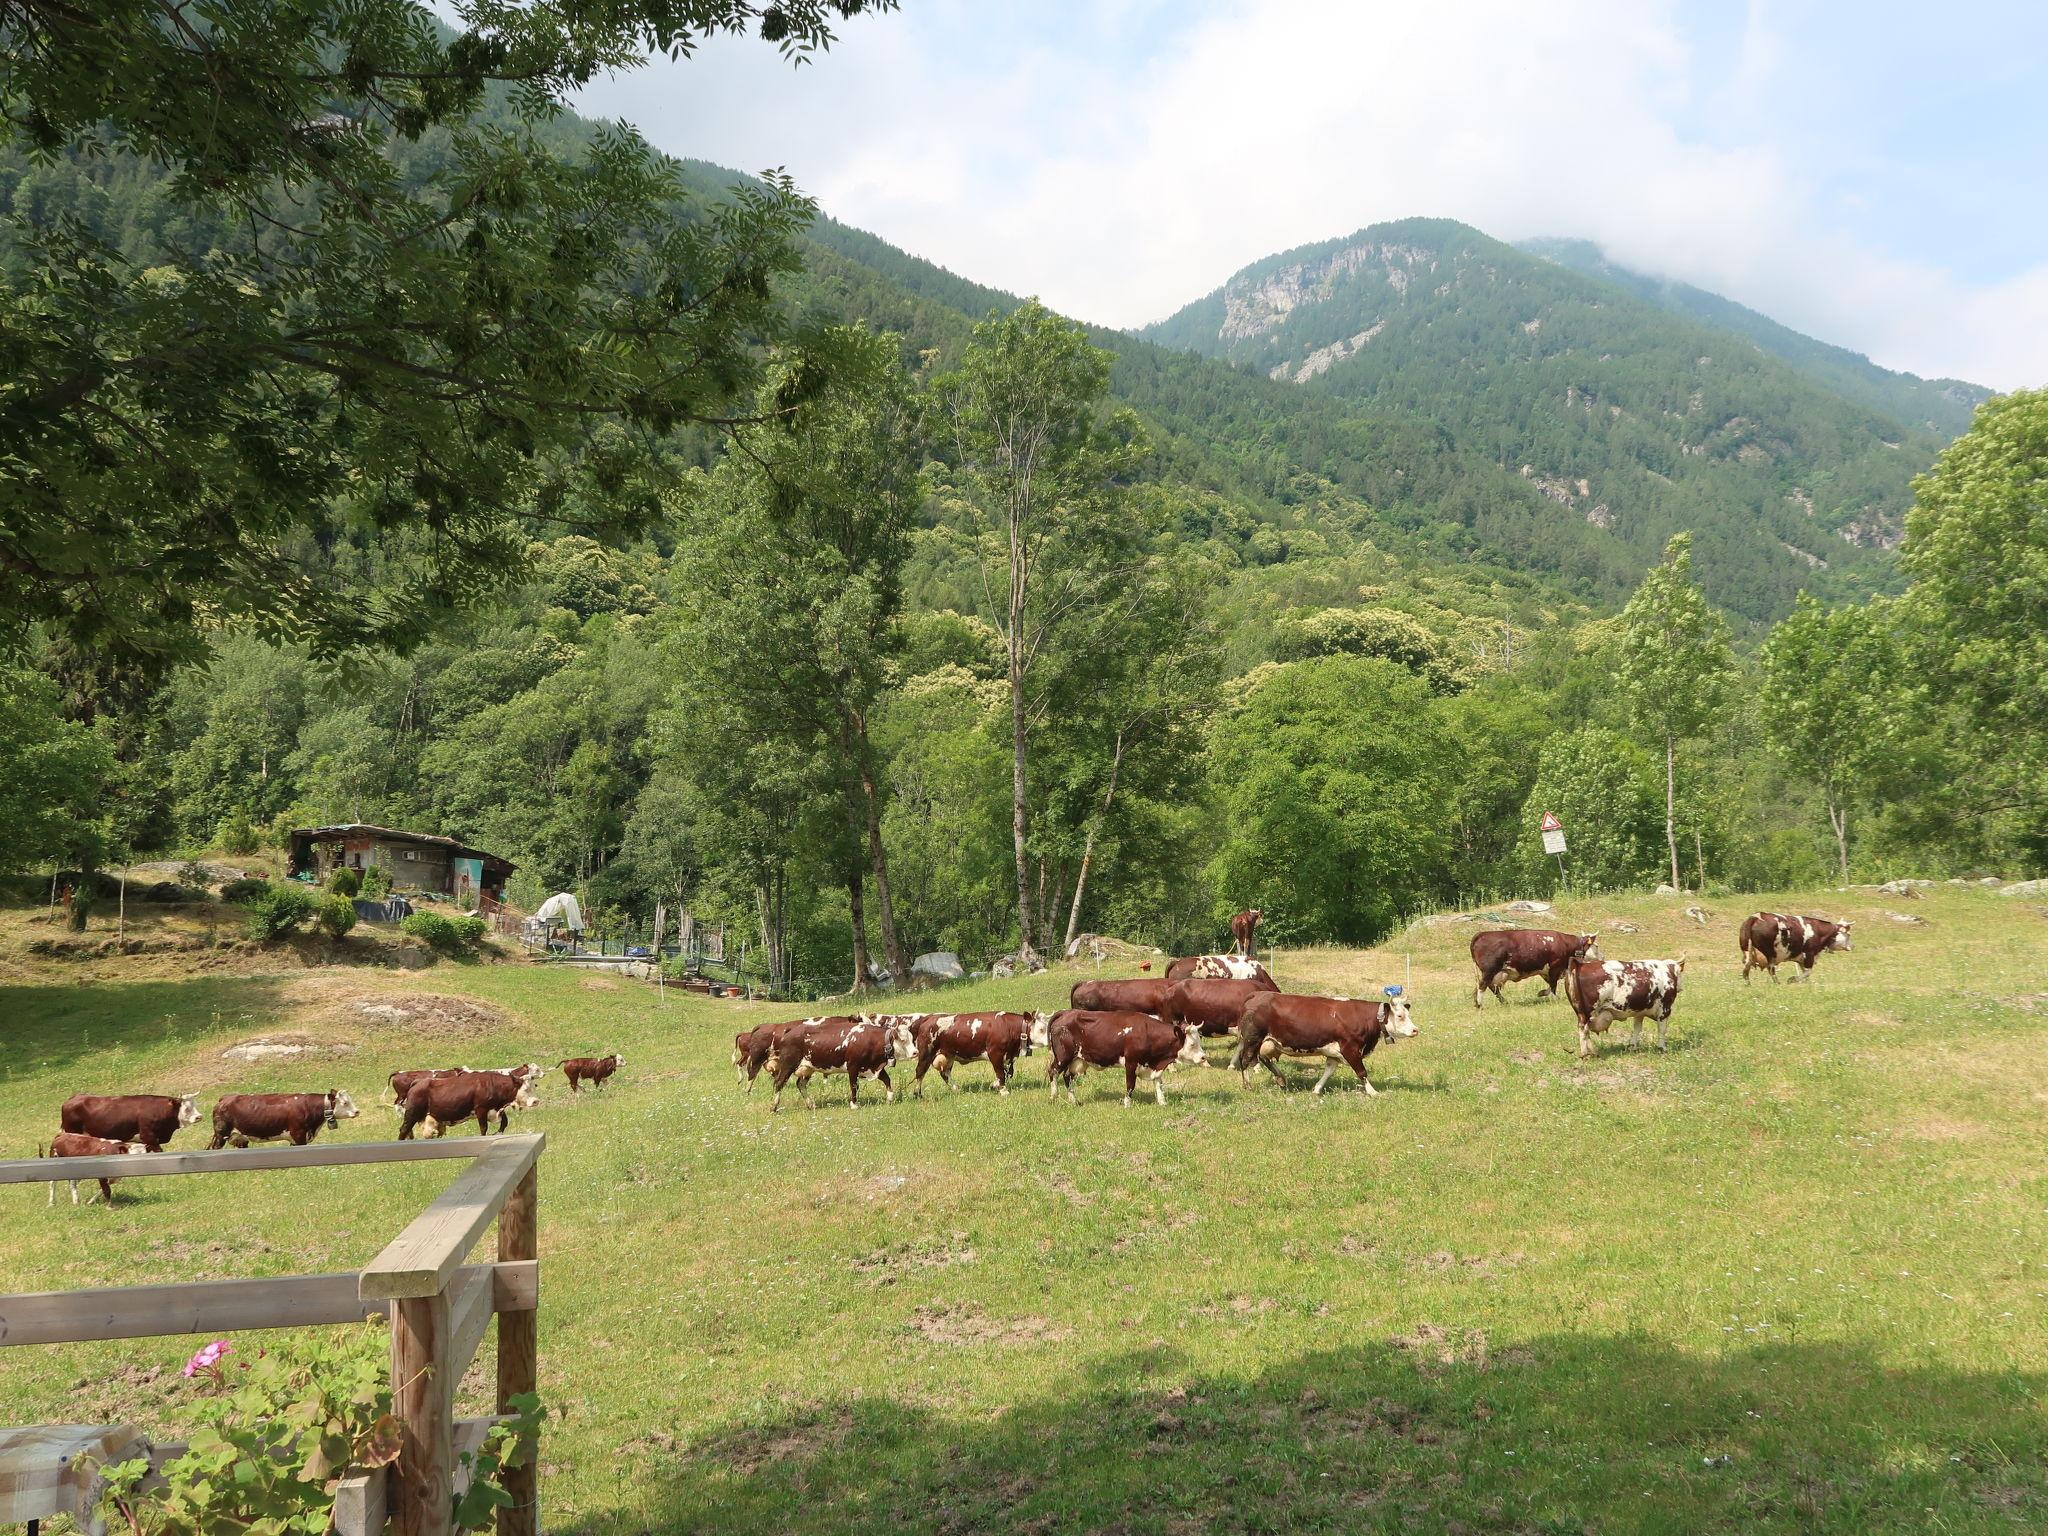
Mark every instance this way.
x=1791 y=1276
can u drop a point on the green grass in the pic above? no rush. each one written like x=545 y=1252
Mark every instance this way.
x=1792 y=1276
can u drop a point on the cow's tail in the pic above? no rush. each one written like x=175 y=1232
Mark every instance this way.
x=1571 y=989
x=1742 y=939
x=40 y=1152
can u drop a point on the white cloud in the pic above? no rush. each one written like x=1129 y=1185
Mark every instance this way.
x=1119 y=183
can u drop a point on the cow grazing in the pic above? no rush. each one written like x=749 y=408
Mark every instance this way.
x=1602 y=991
x=78 y=1144
x=296 y=1117
x=858 y=1047
x=150 y=1118
x=1516 y=954
x=1244 y=929
x=591 y=1069
x=1329 y=1029
x=1769 y=940
x=1146 y=994
x=1080 y=1038
x=435 y=1103
x=946 y=1039
x=1211 y=1005
x=1231 y=967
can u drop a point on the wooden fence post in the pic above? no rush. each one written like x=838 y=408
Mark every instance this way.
x=519 y=1352
x=423 y=1398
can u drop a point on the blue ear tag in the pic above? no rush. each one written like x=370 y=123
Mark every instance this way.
x=1394 y=991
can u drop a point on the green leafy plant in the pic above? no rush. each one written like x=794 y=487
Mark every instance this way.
x=376 y=884
x=279 y=911
x=469 y=931
x=194 y=874
x=336 y=916
x=236 y=833
x=505 y=1446
x=345 y=881
x=434 y=930
x=247 y=889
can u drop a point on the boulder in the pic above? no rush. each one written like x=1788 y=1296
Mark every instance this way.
x=1527 y=906
x=1698 y=915
x=1622 y=925
x=941 y=964
x=1667 y=890
x=1906 y=888
x=1904 y=917
x=2025 y=888
x=1014 y=965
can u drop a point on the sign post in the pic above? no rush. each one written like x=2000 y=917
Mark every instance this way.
x=1553 y=842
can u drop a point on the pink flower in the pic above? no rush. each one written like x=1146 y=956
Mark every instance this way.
x=208 y=1360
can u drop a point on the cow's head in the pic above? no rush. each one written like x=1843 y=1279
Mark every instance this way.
x=1038 y=1034
x=1840 y=939
x=188 y=1109
x=1190 y=1053
x=134 y=1149
x=902 y=1030
x=525 y=1098
x=616 y=1060
x=1588 y=947
x=340 y=1107
x=1396 y=1022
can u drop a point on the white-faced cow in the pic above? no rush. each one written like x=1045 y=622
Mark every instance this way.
x=1602 y=991
x=435 y=1103
x=1244 y=929
x=1232 y=967
x=1503 y=955
x=1328 y=1029
x=858 y=1047
x=1211 y=1005
x=402 y=1081
x=946 y=1039
x=1080 y=1038
x=150 y=1118
x=295 y=1117
x=1769 y=940
x=1145 y=994
x=77 y=1144
x=594 y=1070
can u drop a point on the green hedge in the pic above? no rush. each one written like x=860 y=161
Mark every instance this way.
x=276 y=914
x=247 y=889
x=337 y=915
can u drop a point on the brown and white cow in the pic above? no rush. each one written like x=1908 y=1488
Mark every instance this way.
x=435 y=1103
x=591 y=1069
x=754 y=1049
x=1244 y=928
x=296 y=1117
x=1769 y=940
x=401 y=1082
x=1231 y=967
x=78 y=1144
x=944 y=1040
x=858 y=1047
x=1329 y=1029
x=1211 y=1005
x=1080 y=1038
x=1145 y=994
x=1605 y=990
x=150 y=1118
x=1502 y=955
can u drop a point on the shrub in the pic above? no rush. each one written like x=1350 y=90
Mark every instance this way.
x=470 y=930
x=246 y=889
x=194 y=874
x=345 y=881
x=337 y=915
x=278 y=913
x=376 y=884
x=235 y=834
x=434 y=930
x=83 y=898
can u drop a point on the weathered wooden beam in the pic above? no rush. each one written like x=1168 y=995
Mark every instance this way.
x=519 y=1345
x=422 y=1398
x=471 y=1301
x=420 y=1259
x=148 y=1165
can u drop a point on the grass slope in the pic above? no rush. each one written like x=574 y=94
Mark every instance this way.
x=1788 y=1277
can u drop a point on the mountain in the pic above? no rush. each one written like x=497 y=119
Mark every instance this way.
x=1628 y=418
x=1943 y=406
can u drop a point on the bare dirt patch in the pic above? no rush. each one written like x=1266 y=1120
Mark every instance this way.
x=747 y=1451
x=598 y=984
x=287 y=1045
x=1938 y=1127
x=886 y=1266
x=1435 y=1346
x=1482 y=1264
x=965 y=1323
x=337 y=1003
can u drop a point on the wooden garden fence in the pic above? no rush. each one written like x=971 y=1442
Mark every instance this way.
x=439 y=1308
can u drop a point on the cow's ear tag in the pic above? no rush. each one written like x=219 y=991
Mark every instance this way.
x=1394 y=991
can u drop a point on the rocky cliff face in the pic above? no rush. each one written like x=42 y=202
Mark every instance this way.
x=1254 y=306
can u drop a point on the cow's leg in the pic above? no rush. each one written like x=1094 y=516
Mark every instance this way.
x=74 y=1191
x=1479 y=990
x=1748 y=960
x=1159 y=1087
x=1130 y=1080
x=1663 y=1031
x=1328 y=1068
x=1635 y=1039
x=1585 y=1041
x=301 y=1138
x=1278 y=1076
x=107 y=1192
x=888 y=1088
x=1000 y=1065
x=220 y=1137
x=53 y=1194
x=945 y=1065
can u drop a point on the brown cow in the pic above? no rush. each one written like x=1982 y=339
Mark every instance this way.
x=1232 y=967
x=401 y=1082
x=439 y=1102
x=1502 y=955
x=859 y=1048
x=1332 y=1029
x=946 y=1039
x=1607 y=990
x=591 y=1069
x=1081 y=1038
x=1211 y=1005
x=1244 y=928
x=1146 y=994
x=754 y=1049
x=78 y=1144
x=298 y=1117
x=1769 y=940
x=150 y=1118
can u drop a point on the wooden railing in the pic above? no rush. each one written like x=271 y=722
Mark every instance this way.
x=439 y=1308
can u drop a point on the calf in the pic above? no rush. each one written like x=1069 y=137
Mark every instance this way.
x=1516 y=954
x=150 y=1118
x=439 y=1102
x=1769 y=940
x=1232 y=967
x=78 y=1144
x=298 y=1117
x=1080 y=1038
x=944 y=1039
x=1603 y=991
x=1332 y=1029
x=1144 y=995
x=591 y=1069
x=858 y=1047
x=1244 y=929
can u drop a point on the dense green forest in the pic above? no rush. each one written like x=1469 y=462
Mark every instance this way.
x=812 y=650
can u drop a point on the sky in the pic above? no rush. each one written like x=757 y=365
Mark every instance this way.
x=1871 y=172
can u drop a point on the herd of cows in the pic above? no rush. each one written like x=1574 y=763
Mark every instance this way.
x=1147 y=1025
x=1152 y=1025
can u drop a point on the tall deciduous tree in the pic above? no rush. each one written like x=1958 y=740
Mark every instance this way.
x=1041 y=472
x=1674 y=666
x=53 y=785
x=424 y=346
x=1831 y=699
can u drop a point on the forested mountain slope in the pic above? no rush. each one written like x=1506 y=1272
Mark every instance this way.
x=1628 y=418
